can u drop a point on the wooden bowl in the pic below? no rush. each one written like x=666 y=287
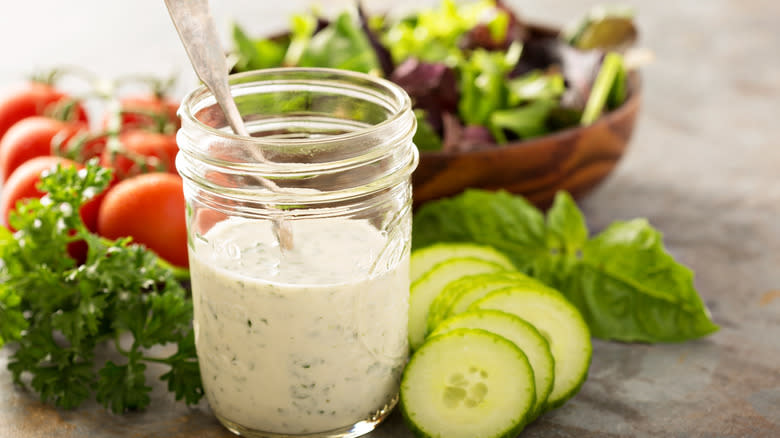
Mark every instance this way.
x=576 y=160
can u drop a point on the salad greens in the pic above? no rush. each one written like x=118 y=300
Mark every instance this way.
x=608 y=27
x=509 y=81
x=482 y=84
x=57 y=313
x=425 y=137
x=433 y=35
x=606 y=88
x=257 y=54
x=343 y=45
x=623 y=281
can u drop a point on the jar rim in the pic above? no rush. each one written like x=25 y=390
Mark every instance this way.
x=386 y=138
x=392 y=90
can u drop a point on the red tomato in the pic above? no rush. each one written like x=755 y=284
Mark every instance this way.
x=29 y=100
x=142 y=152
x=149 y=208
x=30 y=138
x=21 y=185
x=84 y=145
x=148 y=112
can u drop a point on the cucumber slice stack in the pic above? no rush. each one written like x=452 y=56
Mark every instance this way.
x=467 y=383
x=425 y=289
x=563 y=327
x=425 y=259
x=458 y=295
x=519 y=332
x=469 y=317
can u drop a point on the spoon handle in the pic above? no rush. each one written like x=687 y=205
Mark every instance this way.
x=198 y=34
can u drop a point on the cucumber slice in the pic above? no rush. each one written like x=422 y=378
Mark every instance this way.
x=520 y=333
x=563 y=327
x=425 y=289
x=467 y=383
x=474 y=287
x=423 y=260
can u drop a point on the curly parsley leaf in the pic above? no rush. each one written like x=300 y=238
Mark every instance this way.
x=11 y=317
x=123 y=387
x=623 y=281
x=184 y=377
x=56 y=311
x=59 y=374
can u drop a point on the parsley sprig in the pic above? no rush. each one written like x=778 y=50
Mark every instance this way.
x=57 y=312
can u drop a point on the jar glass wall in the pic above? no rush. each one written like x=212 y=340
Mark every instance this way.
x=311 y=339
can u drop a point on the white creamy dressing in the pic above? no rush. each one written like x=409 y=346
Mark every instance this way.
x=300 y=342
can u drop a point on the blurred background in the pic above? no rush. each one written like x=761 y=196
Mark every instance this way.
x=713 y=89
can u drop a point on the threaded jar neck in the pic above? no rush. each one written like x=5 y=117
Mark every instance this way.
x=321 y=135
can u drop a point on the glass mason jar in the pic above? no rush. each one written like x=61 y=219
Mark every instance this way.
x=309 y=339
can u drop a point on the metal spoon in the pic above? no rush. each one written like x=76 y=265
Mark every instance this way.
x=198 y=34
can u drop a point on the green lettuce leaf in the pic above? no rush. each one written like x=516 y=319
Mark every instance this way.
x=254 y=55
x=342 y=45
x=433 y=34
x=425 y=138
x=302 y=27
x=483 y=84
x=623 y=281
x=536 y=85
x=526 y=121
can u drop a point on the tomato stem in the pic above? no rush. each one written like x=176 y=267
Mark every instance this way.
x=65 y=110
x=161 y=120
x=160 y=87
x=52 y=76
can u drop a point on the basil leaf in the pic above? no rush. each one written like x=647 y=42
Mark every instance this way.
x=634 y=290
x=566 y=227
x=567 y=233
x=506 y=222
x=623 y=281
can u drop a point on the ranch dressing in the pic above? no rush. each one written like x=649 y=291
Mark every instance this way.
x=300 y=341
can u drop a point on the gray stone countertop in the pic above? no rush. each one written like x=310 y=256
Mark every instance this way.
x=703 y=167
